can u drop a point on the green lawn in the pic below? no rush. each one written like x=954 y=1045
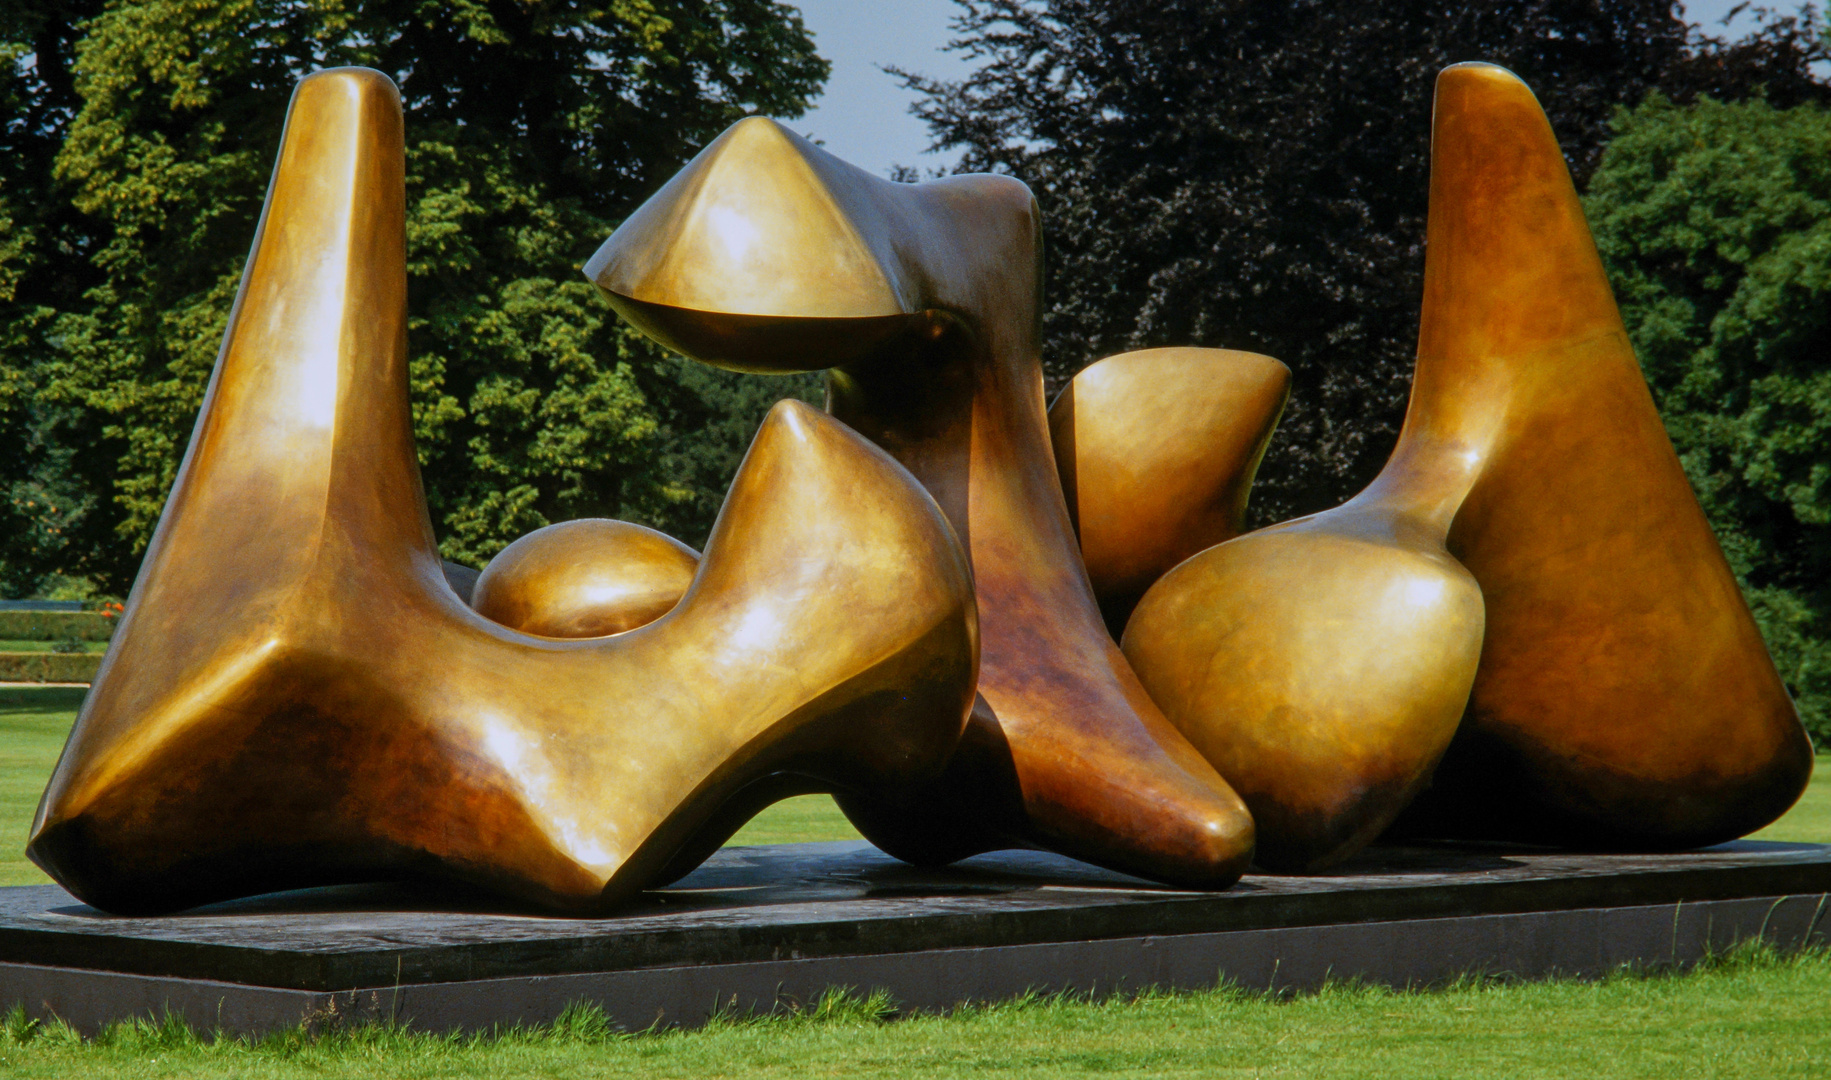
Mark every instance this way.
x=1753 y=1015
x=49 y=646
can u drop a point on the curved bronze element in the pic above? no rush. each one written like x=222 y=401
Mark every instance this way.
x=1156 y=451
x=586 y=578
x=766 y=253
x=1321 y=665
x=1625 y=696
x=295 y=696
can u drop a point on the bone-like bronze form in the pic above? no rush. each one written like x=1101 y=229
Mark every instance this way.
x=1156 y=451
x=586 y=578
x=768 y=254
x=1623 y=695
x=295 y=696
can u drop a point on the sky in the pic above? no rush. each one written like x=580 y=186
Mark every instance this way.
x=864 y=115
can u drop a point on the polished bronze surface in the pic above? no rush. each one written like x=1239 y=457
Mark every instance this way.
x=296 y=697
x=585 y=578
x=1625 y=696
x=1156 y=451
x=1622 y=694
x=768 y=254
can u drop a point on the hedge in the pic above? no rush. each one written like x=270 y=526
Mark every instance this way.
x=55 y=625
x=48 y=667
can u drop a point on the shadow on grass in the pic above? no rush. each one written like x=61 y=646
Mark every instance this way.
x=41 y=699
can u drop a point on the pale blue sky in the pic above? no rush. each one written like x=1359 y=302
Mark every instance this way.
x=864 y=114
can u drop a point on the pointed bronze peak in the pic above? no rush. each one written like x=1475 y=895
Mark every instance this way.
x=804 y=245
x=1510 y=266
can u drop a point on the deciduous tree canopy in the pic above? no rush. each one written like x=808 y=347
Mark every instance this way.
x=1253 y=173
x=1715 y=224
x=141 y=136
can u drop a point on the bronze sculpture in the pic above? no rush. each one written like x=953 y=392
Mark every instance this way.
x=907 y=603
x=1156 y=451
x=296 y=697
x=1622 y=694
x=766 y=253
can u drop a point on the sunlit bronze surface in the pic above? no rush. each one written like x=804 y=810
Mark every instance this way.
x=1321 y=665
x=585 y=578
x=1623 y=695
x=768 y=254
x=1156 y=451
x=295 y=696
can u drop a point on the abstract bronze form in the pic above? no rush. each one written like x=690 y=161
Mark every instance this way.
x=911 y=611
x=586 y=578
x=295 y=696
x=768 y=254
x=1620 y=693
x=1625 y=696
x=1156 y=452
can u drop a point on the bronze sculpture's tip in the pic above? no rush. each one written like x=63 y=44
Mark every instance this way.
x=715 y=240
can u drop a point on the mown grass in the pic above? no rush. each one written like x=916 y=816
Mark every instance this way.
x=50 y=646
x=1753 y=1014
x=33 y=723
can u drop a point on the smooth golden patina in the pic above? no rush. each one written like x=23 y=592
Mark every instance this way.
x=1527 y=600
x=768 y=254
x=586 y=578
x=1620 y=691
x=1625 y=697
x=1156 y=451
x=296 y=697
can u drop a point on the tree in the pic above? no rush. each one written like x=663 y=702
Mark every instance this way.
x=1253 y=173
x=532 y=129
x=1715 y=223
x=43 y=270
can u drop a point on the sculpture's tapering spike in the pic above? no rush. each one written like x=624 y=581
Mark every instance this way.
x=296 y=697
x=1625 y=695
x=317 y=334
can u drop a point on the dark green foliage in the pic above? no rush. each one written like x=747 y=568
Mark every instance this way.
x=1715 y=223
x=1253 y=173
x=532 y=128
x=45 y=507
x=57 y=666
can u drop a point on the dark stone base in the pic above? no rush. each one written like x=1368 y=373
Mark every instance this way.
x=761 y=928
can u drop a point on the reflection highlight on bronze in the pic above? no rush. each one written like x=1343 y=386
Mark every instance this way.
x=586 y=578
x=1156 y=450
x=768 y=254
x=296 y=697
